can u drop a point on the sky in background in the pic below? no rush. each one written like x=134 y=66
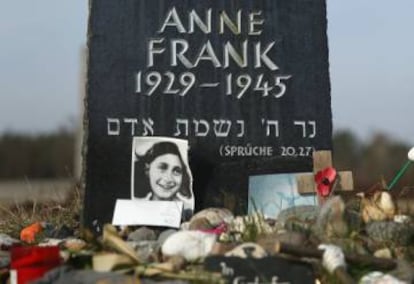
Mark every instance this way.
x=371 y=57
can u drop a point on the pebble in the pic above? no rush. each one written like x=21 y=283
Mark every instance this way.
x=7 y=241
x=402 y=219
x=220 y=248
x=201 y=223
x=50 y=242
x=185 y=226
x=251 y=223
x=270 y=241
x=4 y=258
x=378 y=207
x=192 y=245
x=291 y=238
x=178 y=262
x=392 y=232
x=247 y=250
x=331 y=221
x=142 y=234
x=379 y=277
x=147 y=251
x=383 y=253
x=164 y=235
x=75 y=244
x=210 y=218
x=303 y=212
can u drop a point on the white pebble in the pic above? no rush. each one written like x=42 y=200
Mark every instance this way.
x=192 y=245
x=402 y=218
x=376 y=277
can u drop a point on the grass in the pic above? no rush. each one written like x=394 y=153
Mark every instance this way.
x=17 y=216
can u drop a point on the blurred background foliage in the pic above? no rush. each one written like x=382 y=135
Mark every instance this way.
x=52 y=155
x=379 y=158
x=33 y=156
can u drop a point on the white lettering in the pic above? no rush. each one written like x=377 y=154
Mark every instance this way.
x=172 y=20
x=148 y=127
x=253 y=22
x=222 y=127
x=241 y=123
x=262 y=56
x=303 y=123
x=203 y=123
x=225 y=20
x=209 y=55
x=246 y=151
x=230 y=50
x=111 y=122
x=152 y=50
x=194 y=18
x=252 y=25
x=179 y=122
x=270 y=123
x=133 y=122
x=180 y=54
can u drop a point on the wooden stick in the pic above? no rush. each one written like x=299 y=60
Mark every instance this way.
x=343 y=275
x=378 y=263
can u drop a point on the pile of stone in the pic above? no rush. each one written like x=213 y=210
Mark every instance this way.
x=335 y=240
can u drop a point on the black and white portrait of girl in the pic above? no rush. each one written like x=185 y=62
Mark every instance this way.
x=160 y=171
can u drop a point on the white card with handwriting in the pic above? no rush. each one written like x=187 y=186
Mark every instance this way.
x=147 y=212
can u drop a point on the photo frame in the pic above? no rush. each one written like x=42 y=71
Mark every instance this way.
x=271 y=193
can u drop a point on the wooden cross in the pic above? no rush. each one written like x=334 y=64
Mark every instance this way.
x=321 y=160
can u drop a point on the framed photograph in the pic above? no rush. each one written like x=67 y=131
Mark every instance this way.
x=271 y=193
x=160 y=171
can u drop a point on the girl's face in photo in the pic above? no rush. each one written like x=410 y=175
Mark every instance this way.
x=165 y=175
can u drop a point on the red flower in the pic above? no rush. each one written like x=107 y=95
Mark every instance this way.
x=221 y=228
x=325 y=180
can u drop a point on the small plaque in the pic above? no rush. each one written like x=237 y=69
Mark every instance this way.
x=264 y=270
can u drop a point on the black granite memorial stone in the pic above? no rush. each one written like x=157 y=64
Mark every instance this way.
x=246 y=82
